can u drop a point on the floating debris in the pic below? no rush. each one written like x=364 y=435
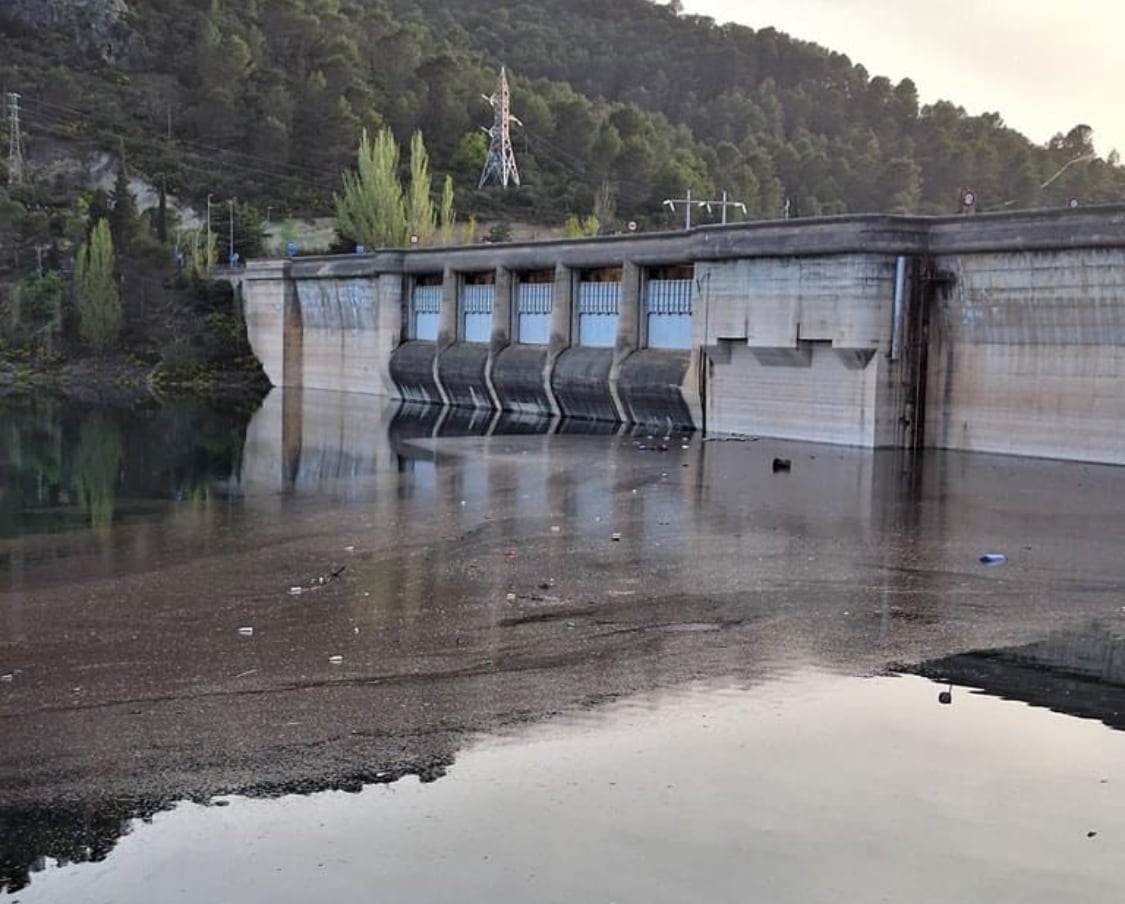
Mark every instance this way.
x=336 y=660
x=246 y=632
x=994 y=558
x=321 y=581
x=782 y=466
x=616 y=538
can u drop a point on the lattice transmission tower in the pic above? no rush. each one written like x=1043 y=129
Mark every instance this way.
x=15 y=140
x=500 y=165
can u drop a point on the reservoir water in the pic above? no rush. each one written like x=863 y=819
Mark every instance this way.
x=331 y=648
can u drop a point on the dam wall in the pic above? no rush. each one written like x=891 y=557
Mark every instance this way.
x=992 y=332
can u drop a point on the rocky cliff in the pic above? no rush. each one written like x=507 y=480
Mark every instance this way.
x=100 y=23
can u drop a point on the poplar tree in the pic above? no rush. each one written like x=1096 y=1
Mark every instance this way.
x=420 y=216
x=99 y=304
x=370 y=209
x=447 y=218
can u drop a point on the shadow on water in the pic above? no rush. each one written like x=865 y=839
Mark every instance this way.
x=1074 y=673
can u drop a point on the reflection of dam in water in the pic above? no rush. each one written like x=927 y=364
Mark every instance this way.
x=926 y=519
x=307 y=440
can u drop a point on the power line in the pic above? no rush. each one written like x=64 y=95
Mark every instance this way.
x=177 y=142
x=55 y=114
x=194 y=161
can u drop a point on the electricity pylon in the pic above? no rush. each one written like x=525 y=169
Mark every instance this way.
x=15 y=140
x=500 y=165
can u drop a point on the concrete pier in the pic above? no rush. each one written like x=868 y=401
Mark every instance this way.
x=999 y=333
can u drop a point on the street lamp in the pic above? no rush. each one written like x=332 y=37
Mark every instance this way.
x=1081 y=158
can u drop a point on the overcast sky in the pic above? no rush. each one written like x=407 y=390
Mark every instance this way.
x=1044 y=65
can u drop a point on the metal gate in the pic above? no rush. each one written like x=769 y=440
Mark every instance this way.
x=598 y=306
x=668 y=313
x=533 y=312
x=425 y=308
x=476 y=312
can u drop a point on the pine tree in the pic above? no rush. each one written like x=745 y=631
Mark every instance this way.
x=99 y=304
x=162 y=214
x=123 y=216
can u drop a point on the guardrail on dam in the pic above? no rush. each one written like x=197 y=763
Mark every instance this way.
x=989 y=332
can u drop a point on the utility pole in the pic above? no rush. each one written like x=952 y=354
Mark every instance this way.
x=723 y=205
x=15 y=140
x=688 y=203
x=230 y=255
x=500 y=164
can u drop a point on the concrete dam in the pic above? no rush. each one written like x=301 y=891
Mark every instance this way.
x=992 y=332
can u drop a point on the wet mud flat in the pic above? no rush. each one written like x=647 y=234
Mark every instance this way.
x=484 y=593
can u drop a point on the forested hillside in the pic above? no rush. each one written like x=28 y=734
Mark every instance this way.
x=622 y=104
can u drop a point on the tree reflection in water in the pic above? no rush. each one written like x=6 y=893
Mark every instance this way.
x=99 y=468
x=65 y=466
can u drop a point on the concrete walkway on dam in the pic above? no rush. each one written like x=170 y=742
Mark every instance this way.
x=995 y=332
